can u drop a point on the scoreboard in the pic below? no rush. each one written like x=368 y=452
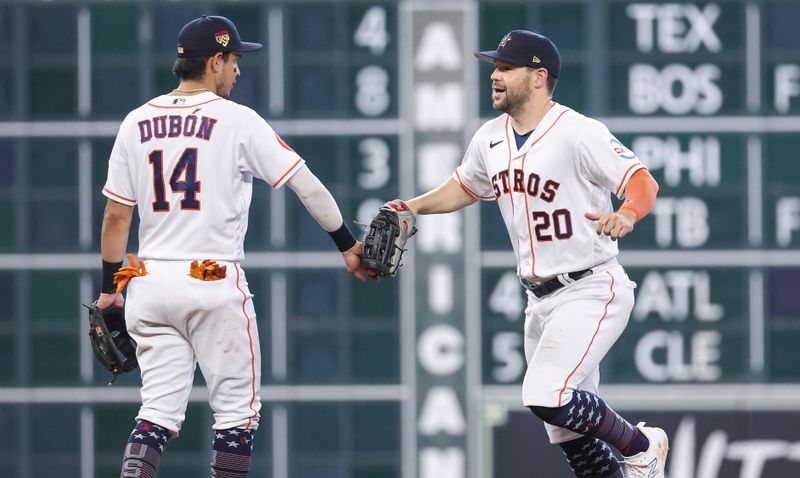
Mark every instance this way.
x=417 y=376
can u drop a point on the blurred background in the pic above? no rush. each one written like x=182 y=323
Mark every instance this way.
x=417 y=376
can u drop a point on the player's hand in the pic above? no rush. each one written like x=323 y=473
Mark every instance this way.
x=613 y=224
x=352 y=260
x=110 y=300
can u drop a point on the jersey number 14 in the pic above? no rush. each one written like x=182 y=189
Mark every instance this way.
x=183 y=180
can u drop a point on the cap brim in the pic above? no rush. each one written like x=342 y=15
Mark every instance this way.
x=249 y=46
x=492 y=55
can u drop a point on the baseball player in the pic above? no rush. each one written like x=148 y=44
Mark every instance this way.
x=187 y=159
x=551 y=171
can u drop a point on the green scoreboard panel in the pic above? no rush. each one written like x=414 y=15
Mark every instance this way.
x=327 y=80
x=380 y=97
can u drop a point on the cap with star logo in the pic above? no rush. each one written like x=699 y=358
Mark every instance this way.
x=208 y=35
x=523 y=47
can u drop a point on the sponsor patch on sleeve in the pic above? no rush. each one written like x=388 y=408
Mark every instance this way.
x=621 y=150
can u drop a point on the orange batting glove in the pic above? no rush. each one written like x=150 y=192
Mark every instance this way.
x=124 y=274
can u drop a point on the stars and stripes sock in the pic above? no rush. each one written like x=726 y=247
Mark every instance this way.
x=230 y=453
x=589 y=415
x=590 y=458
x=143 y=452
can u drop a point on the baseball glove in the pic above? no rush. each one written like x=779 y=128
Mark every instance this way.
x=113 y=347
x=384 y=243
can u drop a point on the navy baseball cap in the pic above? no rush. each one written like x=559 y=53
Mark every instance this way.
x=522 y=47
x=208 y=35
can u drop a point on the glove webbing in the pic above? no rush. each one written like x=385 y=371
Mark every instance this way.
x=379 y=245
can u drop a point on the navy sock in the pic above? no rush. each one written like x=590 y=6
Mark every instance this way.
x=638 y=444
x=590 y=458
x=143 y=452
x=230 y=453
x=589 y=415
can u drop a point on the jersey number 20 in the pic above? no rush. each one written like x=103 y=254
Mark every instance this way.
x=186 y=168
x=562 y=225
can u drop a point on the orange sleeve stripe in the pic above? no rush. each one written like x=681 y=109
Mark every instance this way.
x=624 y=176
x=118 y=196
x=468 y=190
x=280 y=180
x=283 y=143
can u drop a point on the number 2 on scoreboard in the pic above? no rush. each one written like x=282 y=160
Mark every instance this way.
x=186 y=168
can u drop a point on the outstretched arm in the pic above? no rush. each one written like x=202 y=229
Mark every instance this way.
x=448 y=197
x=319 y=202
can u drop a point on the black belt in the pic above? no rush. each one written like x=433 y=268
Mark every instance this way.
x=557 y=282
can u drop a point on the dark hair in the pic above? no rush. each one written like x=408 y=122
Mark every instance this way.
x=551 y=84
x=551 y=80
x=193 y=68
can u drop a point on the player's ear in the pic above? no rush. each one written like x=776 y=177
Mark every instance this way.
x=540 y=77
x=215 y=62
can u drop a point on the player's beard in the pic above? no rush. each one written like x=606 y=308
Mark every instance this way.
x=224 y=90
x=513 y=101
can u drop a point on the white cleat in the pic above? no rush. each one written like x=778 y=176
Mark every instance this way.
x=649 y=463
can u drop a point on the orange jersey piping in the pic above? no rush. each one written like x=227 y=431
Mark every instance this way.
x=511 y=189
x=527 y=212
x=528 y=218
x=252 y=354
x=184 y=106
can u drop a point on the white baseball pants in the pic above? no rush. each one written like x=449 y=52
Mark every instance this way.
x=567 y=334
x=178 y=322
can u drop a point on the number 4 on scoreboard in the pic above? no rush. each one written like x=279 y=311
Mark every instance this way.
x=371 y=32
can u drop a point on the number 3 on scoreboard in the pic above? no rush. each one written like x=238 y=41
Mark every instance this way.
x=189 y=186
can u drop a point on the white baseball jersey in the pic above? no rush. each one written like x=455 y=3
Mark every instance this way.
x=189 y=163
x=565 y=168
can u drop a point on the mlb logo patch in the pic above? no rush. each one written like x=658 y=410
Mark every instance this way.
x=179 y=101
